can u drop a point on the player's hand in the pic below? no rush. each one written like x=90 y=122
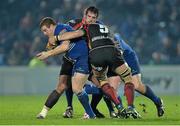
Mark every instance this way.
x=51 y=40
x=50 y=46
x=42 y=55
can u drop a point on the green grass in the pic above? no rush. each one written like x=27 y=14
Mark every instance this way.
x=22 y=110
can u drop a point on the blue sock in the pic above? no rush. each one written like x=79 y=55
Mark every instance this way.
x=69 y=96
x=150 y=94
x=83 y=98
x=90 y=89
x=119 y=97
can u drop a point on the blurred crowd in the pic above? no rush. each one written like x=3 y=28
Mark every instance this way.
x=150 y=26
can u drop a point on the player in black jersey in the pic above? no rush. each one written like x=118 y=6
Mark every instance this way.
x=90 y=16
x=104 y=55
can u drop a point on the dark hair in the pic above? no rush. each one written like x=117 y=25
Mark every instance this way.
x=92 y=9
x=47 y=21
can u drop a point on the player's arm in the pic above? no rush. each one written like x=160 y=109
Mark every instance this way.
x=69 y=35
x=58 y=50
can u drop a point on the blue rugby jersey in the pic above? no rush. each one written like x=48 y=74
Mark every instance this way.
x=122 y=44
x=129 y=55
x=77 y=47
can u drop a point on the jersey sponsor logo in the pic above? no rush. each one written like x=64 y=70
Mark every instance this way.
x=82 y=70
x=97 y=68
x=99 y=37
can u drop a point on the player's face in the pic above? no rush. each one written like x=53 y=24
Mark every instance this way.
x=90 y=17
x=47 y=31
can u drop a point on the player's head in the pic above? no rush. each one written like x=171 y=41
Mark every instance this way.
x=91 y=14
x=47 y=26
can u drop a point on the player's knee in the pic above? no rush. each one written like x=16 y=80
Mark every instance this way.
x=140 y=87
x=136 y=80
x=126 y=75
x=77 y=90
x=61 y=87
x=100 y=76
x=114 y=81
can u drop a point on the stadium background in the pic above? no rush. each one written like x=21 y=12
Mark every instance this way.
x=151 y=27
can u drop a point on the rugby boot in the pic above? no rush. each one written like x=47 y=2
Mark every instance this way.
x=160 y=108
x=68 y=113
x=122 y=113
x=86 y=116
x=98 y=114
x=113 y=114
x=39 y=116
x=131 y=112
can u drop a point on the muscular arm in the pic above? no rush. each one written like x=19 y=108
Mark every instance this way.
x=66 y=36
x=71 y=35
x=58 y=50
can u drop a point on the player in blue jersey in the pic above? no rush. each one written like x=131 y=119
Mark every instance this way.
x=77 y=54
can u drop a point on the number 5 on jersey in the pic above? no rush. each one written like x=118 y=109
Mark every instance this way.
x=103 y=29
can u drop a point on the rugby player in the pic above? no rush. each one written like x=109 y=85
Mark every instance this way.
x=76 y=54
x=90 y=16
x=132 y=60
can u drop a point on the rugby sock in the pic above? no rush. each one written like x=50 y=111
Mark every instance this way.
x=150 y=94
x=96 y=98
x=52 y=99
x=129 y=93
x=111 y=93
x=83 y=98
x=44 y=111
x=90 y=89
x=119 y=97
x=69 y=96
x=109 y=104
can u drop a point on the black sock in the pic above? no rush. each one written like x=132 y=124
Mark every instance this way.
x=69 y=96
x=52 y=99
x=96 y=98
x=108 y=103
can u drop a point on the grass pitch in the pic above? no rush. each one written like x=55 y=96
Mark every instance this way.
x=22 y=110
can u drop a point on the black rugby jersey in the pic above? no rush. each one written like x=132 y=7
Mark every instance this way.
x=98 y=36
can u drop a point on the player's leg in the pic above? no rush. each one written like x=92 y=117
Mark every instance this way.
x=96 y=95
x=54 y=96
x=145 y=90
x=148 y=92
x=108 y=90
x=125 y=72
x=78 y=81
x=69 y=97
x=100 y=66
x=114 y=81
x=66 y=69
